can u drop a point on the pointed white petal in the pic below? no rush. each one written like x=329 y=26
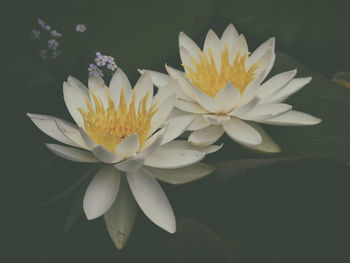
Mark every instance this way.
x=74 y=99
x=131 y=164
x=227 y=98
x=184 y=84
x=101 y=192
x=250 y=91
x=207 y=102
x=151 y=199
x=216 y=119
x=190 y=107
x=292 y=87
x=294 y=118
x=230 y=35
x=186 y=58
x=47 y=124
x=143 y=87
x=177 y=112
x=76 y=83
x=97 y=85
x=213 y=43
x=184 y=145
x=87 y=139
x=159 y=79
x=106 y=156
x=243 y=110
x=198 y=123
x=189 y=44
x=240 y=45
x=166 y=92
x=120 y=218
x=72 y=154
x=152 y=143
x=176 y=126
x=128 y=146
x=118 y=80
x=72 y=133
x=267 y=145
x=242 y=132
x=265 y=63
x=261 y=50
x=182 y=175
x=162 y=113
x=206 y=136
x=173 y=158
x=275 y=84
x=266 y=111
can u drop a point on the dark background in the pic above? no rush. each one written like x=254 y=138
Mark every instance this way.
x=293 y=208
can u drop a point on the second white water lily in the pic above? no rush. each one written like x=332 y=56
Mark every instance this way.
x=125 y=129
x=223 y=87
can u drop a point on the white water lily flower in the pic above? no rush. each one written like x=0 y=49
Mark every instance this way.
x=223 y=87
x=124 y=129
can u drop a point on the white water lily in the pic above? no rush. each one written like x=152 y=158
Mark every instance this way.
x=124 y=129
x=223 y=87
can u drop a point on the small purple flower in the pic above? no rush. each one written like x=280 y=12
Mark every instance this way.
x=53 y=44
x=43 y=54
x=47 y=28
x=41 y=23
x=93 y=70
x=100 y=60
x=35 y=34
x=112 y=66
x=54 y=33
x=98 y=54
x=80 y=28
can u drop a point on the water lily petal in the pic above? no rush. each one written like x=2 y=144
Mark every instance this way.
x=207 y=102
x=183 y=144
x=186 y=58
x=260 y=51
x=47 y=124
x=120 y=218
x=275 y=84
x=101 y=192
x=227 y=98
x=87 y=139
x=106 y=156
x=294 y=118
x=213 y=43
x=151 y=199
x=198 y=123
x=292 y=87
x=240 y=45
x=242 y=132
x=76 y=83
x=243 y=110
x=176 y=126
x=173 y=158
x=190 y=107
x=159 y=79
x=72 y=154
x=74 y=99
x=143 y=87
x=206 y=136
x=250 y=91
x=118 y=80
x=189 y=44
x=184 y=84
x=72 y=133
x=162 y=113
x=265 y=62
x=97 y=85
x=128 y=146
x=267 y=111
x=216 y=119
x=182 y=175
x=230 y=35
x=131 y=164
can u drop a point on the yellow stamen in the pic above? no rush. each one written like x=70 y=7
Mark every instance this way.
x=109 y=127
x=209 y=80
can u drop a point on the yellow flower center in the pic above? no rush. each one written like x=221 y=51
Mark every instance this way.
x=209 y=80
x=110 y=126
